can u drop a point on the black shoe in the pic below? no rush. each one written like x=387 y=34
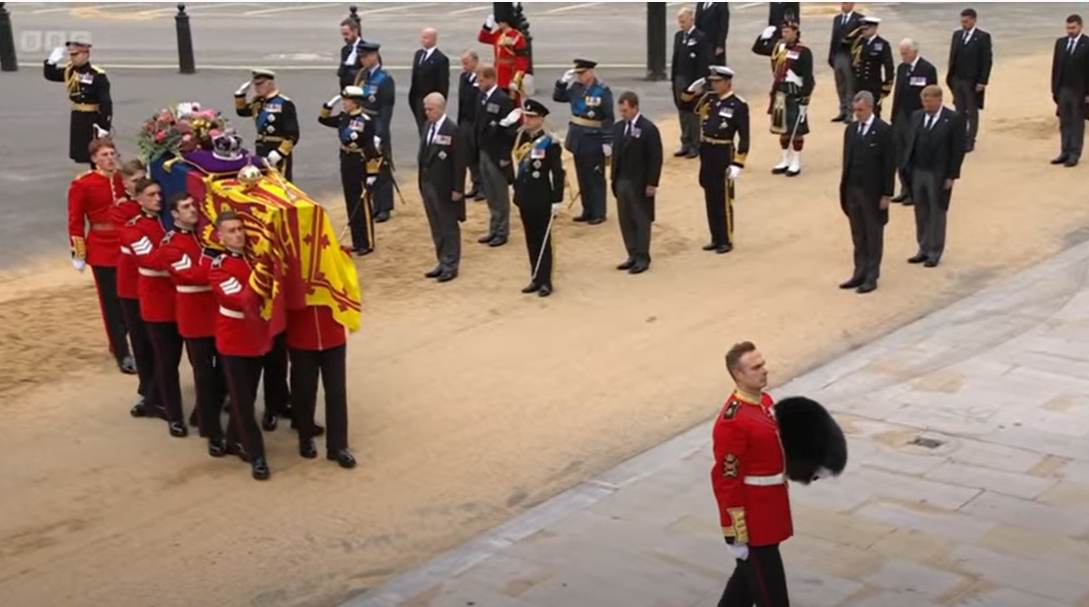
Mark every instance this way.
x=139 y=410
x=362 y=252
x=919 y=258
x=900 y=197
x=486 y=239
x=237 y=450
x=627 y=265
x=1070 y=164
x=1061 y=159
x=722 y=249
x=868 y=287
x=680 y=153
x=854 y=283
x=581 y=219
x=545 y=291
x=531 y=288
x=433 y=273
x=840 y=118
x=710 y=247
x=596 y=221
x=260 y=469
x=217 y=447
x=971 y=147
x=127 y=366
x=382 y=217
x=498 y=241
x=931 y=263
x=178 y=430
x=307 y=449
x=447 y=276
x=342 y=457
x=639 y=268
x=473 y=193
x=269 y=422
x=692 y=154
x=479 y=196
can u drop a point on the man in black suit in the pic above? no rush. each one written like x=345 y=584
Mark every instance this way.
x=442 y=185
x=637 y=167
x=468 y=104
x=713 y=19
x=496 y=126
x=430 y=74
x=969 y=71
x=913 y=75
x=935 y=151
x=692 y=54
x=1070 y=89
x=845 y=30
x=873 y=66
x=865 y=187
x=349 y=53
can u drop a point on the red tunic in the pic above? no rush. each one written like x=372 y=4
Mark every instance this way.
x=127 y=275
x=144 y=235
x=314 y=328
x=91 y=232
x=511 y=57
x=188 y=263
x=748 y=477
x=240 y=330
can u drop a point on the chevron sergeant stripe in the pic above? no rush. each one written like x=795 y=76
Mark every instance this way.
x=231 y=286
x=182 y=264
x=142 y=246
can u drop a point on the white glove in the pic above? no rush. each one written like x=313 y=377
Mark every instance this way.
x=513 y=87
x=274 y=157
x=740 y=551
x=79 y=264
x=242 y=89
x=556 y=208
x=733 y=172
x=377 y=142
x=100 y=132
x=697 y=85
x=513 y=117
x=803 y=111
x=332 y=102
x=607 y=148
x=568 y=77
x=769 y=31
x=370 y=181
x=55 y=58
x=822 y=473
x=490 y=22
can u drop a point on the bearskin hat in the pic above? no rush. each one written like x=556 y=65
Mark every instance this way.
x=504 y=13
x=813 y=442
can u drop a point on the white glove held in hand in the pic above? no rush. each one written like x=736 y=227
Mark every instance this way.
x=556 y=208
x=568 y=76
x=274 y=157
x=370 y=181
x=740 y=551
x=490 y=22
x=512 y=118
x=697 y=85
x=377 y=142
x=769 y=31
x=332 y=102
x=56 y=56
x=607 y=149
x=100 y=132
x=245 y=87
x=733 y=172
x=79 y=264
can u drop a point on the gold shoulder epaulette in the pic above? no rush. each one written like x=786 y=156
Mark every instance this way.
x=284 y=97
x=98 y=70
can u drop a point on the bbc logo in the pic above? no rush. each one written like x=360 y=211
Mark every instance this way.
x=37 y=41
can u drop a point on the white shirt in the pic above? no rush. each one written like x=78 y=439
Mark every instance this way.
x=427 y=54
x=631 y=124
x=845 y=17
x=433 y=131
x=489 y=92
x=914 y=63
x=968 y=36
x=931 y=119
x=1072 y=43
x=865 y=126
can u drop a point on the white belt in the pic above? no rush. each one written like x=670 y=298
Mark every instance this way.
x=126 y=250
x=153 y=273
x=231 y=313
x=764 y=481
x=193 y=288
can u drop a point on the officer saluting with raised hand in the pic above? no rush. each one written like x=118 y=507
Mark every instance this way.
x=275 y=117
x=589 y=135
x=379 y=96
x=358 y=144
x=89 y=91
x=538 y=192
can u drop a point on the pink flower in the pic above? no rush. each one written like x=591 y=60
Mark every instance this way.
x=183 y=127
x=160 y=136
x=213 y=133
x=186 y=138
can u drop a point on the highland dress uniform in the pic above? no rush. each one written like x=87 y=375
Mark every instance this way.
x=379 y=97
x=874 y=70
x=511 y=54
x=749 y=482
x=724 y=147
x=277 y=124
x=792 y=68
x=356 y=132
x=589 y=137
x=128 y=294
x=538 y=192
x=89 y=91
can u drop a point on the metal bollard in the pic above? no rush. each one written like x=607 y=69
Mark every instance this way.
x=656 y=40
x=8 y=61
x=186 y=62
x=353 y=14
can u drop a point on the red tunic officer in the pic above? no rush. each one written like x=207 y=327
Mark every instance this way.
x=511 y=52
x=749 y=482
x=242 y=340
x=318 y=346
x=94 y=241
x=188 y=262
x=144 y=235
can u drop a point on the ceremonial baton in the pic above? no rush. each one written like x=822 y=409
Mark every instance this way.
x=540 y=256
x=283 y=182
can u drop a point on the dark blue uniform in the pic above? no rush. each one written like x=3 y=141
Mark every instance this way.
x=379 y=96
x=590 y=128
x=538 y=185
x=277 y=126
x=356 y=132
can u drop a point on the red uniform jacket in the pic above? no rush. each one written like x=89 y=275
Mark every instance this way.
x=748 y=477
x=188 y=263
x=511 y=55
x=240 y=330
x=314 y=328
x=91 y=231
x=144 y=235
x=127 y=275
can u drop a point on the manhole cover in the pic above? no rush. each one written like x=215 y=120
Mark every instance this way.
x=927 y=443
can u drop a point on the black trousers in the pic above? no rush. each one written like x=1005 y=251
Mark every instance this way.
x=112 y=315
x=81 y=133
x=867 y=234
x=759 y=581
x=633 y=208
x=141 y=350
x=535 y=220
x=718 y=192
x=1072 y=108
x=243 y=376
x=277 y=394
x=353 y=176
x=590 y=172
x=206 y=377
x=331 y=365
x=167 y=344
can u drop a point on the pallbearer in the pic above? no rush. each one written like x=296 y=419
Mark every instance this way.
x=538 y=192
x=792 y=67
x=275 y=117
x=89 y=92
x=358 y=145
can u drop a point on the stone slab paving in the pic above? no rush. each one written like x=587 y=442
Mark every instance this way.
x=994 y=512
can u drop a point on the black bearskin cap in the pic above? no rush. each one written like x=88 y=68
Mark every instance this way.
x=811 y=439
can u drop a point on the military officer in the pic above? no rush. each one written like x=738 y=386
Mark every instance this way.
x=356 y=131
x=275 y=117
x=538 y=192
x=589 y=134
x=89 y=91
x=792 y=70
x=724 y=146
x=872 y=63
x=379 y=96
x=511 y=51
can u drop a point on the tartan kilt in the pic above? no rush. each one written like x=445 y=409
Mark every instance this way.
x=784 y=115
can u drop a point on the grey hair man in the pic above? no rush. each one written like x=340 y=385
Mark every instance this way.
x=442 y=185
x=468 y=105
x=913 y=75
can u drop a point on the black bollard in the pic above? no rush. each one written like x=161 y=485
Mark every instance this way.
x=186 y=62
x=353 y=14
x=656 y=40
x=8 y=60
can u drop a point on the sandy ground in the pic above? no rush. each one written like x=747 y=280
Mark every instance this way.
x=469 y=401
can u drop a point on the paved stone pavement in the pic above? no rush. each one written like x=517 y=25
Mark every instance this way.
x=992 y=512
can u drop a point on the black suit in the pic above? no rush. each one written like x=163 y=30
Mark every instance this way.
x=969 y=66
x=934 y=155
x=906 y=99
x=349 y=63
x=495 y=142
x=845 y=29
x=692 y=54
x=869 y=169
x=713 y=19
x=637 y=164
x=430 y=75
x=442 y=162
x=468 y=105
x=1070 y=90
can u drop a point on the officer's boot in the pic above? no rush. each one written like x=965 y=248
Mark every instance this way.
x=784 y=164
x=795 y=164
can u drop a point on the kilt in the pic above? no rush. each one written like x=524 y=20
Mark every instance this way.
x=784 y=115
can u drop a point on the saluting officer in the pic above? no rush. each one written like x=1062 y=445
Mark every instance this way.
x=724 y=146
x=356 y=131
x=589 y=135
x=538 y=192
x=873 y=67
x=792 y=70
x=89 y=91
x=276 y=119
x=379 y=96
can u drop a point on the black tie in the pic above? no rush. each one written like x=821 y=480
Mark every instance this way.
x=431 y=134
x=1070 y=45
x=861 y=128
x=483 y=98
x=627 y=128
x=966 y=34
